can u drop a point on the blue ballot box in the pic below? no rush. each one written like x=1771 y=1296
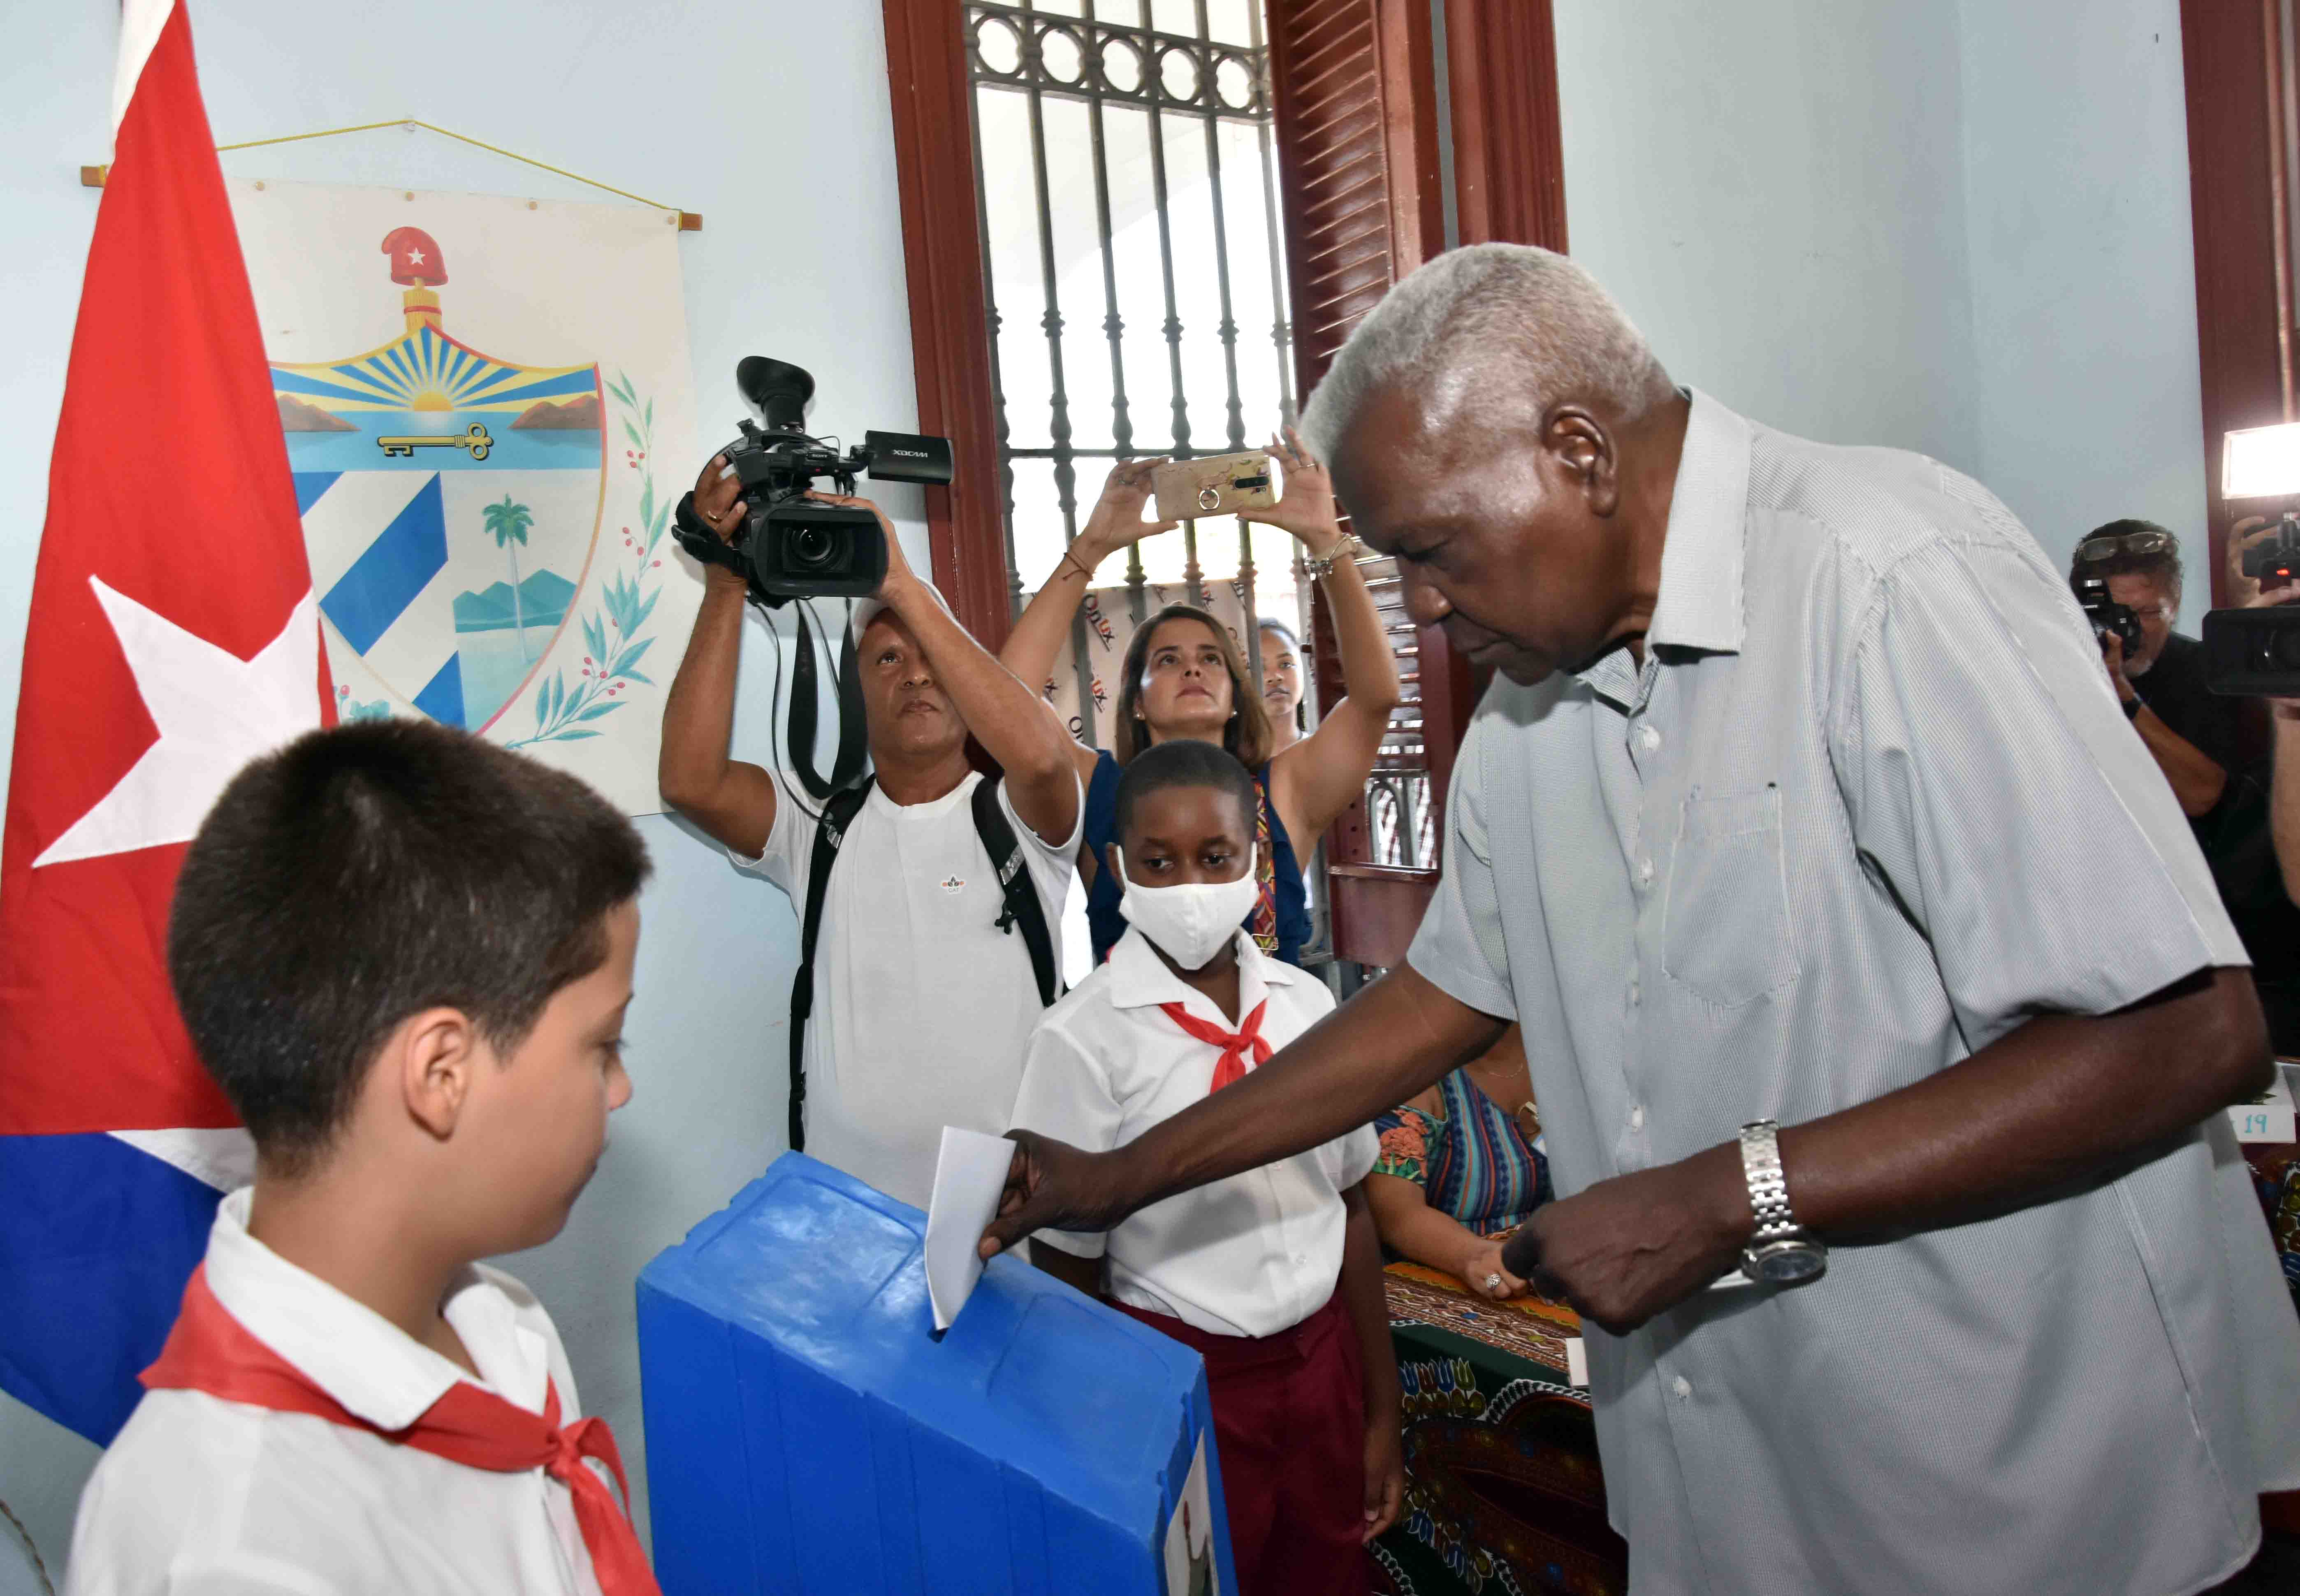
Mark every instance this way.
x=807 y=1431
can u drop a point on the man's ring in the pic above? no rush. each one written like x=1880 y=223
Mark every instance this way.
x=1493 y=1284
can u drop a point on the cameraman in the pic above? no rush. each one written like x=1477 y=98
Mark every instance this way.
x=2209 y=747
x=2283 y=802
x=923 y=1003
x=2197 y=738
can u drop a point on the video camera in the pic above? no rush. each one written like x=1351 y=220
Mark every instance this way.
x=2251 y=653
x=790 y=545
x=2108 y=617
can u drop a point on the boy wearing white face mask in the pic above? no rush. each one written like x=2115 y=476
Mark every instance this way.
x=1273 y=1276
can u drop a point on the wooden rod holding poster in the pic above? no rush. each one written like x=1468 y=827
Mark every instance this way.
x=92 y=177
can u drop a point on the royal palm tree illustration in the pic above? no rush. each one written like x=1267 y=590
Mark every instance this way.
x=508 y=523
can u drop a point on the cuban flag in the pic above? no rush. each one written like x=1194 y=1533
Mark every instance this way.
x=172 y=638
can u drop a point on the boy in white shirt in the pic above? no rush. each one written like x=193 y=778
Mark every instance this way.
x=404 y=954
x=1273 y=1276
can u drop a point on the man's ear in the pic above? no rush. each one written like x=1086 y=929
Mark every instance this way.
x=435 y=1056
x=1582 y=447
x=1114 y=861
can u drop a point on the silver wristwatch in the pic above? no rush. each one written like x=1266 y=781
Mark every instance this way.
x=1782 y=1252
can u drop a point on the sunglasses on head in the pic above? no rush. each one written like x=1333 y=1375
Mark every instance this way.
x=2122 y=543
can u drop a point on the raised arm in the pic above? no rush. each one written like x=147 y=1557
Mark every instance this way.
x=2197 y=780
x=731 y=800
x=1319 y=777
x=1116 y=521
x=1006 y=717
x=2284 y=783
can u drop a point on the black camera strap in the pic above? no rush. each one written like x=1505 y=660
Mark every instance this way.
x=839 y=813
x=1015 y=886
x=1018 y=893
x=852 y=745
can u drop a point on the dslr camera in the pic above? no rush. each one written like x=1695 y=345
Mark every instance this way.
x=2108 y=617
x=789 y=546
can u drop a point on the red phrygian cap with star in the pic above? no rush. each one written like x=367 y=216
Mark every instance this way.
x=172 y=634
x=415 y=260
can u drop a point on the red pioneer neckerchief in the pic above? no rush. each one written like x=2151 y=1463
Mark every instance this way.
x=210 y=1350
x=1231 y=1066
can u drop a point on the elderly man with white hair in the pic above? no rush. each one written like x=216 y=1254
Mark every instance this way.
x=1878 y=1001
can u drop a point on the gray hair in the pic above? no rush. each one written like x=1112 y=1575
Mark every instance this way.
x=1449 y=324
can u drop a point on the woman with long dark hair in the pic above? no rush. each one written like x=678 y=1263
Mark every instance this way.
x=1282 y=685
x=1184 y=677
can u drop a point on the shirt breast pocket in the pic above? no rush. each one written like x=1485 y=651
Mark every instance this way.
x=1725 y=926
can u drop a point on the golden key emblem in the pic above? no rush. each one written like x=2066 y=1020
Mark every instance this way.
x=404 y=444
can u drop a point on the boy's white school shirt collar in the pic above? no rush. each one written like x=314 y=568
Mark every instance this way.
x=370 y=1366
x=1140 y=978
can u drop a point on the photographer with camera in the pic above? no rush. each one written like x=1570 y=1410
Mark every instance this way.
x=2127 y=577
x=927 y=998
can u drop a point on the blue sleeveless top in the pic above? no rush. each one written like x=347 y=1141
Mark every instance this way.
x=1280 y=921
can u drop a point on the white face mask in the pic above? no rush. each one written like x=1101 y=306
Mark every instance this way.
x=1192 y=923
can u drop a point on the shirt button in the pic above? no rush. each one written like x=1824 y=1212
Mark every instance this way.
x=1636 y=993
x=1645 y=873
x=1680 y=1388
x=1649 y=737
x=1637 y=1117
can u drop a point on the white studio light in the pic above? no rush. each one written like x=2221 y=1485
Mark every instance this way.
x=2262 y=463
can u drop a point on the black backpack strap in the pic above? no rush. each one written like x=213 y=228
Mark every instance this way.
x=837 y=815
x=1016 y=888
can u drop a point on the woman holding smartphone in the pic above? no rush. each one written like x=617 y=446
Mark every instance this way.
x=1184 y=677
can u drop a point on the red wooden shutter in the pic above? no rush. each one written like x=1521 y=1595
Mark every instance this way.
x=1509 y=174
x=950 y=335
x=2239 y=62
x=1354 y=95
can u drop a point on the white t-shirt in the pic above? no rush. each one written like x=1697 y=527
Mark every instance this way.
x=200 y=1497
x=1252 y=1255
x=922 y=1005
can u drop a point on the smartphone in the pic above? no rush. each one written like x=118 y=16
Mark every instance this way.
x=1217 y=485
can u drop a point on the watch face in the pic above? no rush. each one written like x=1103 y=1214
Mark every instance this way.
x=1794 y=1261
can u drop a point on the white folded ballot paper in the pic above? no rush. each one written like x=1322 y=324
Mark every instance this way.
x=970 y=1174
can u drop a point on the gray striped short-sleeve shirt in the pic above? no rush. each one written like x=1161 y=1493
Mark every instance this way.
x=1869 y=804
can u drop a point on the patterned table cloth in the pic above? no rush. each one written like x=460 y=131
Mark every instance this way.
x=1503 y=1493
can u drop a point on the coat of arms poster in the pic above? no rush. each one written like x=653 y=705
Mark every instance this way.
x=488 y=409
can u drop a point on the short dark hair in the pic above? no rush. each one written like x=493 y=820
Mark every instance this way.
x=364 y=873
x=1247 y=735
x=2161 y=564
x=1181 y=762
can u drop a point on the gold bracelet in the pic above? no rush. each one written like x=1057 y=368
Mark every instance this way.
x=1323 y=567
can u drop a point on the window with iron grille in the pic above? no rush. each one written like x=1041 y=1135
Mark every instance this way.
x=1134 y=280
x=1178 y=211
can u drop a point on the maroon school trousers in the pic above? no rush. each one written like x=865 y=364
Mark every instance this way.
x=1289 y=1417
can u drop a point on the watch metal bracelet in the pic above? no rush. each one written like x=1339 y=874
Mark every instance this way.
x=1769 y=1191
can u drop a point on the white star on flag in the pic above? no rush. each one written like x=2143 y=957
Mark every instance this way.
x=215 y=712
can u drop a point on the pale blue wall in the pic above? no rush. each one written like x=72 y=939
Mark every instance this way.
x=2084 y=276
x=690 y=102
x=1773 y=191
x=1957 y=229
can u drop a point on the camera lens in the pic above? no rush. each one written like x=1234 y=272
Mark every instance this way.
x=811 y=548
